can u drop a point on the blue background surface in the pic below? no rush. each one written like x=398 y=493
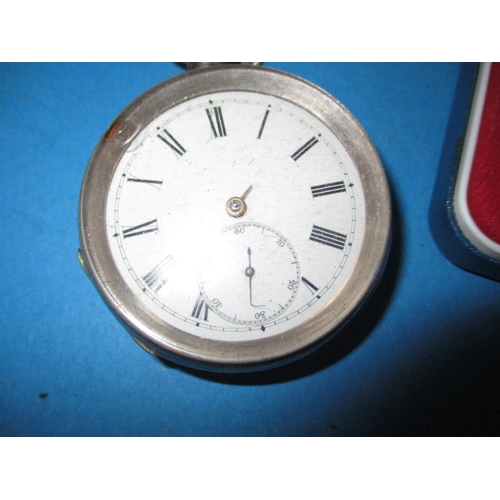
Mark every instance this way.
x=422 y=358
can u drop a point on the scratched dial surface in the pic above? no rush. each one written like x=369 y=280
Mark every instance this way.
x=167 y=211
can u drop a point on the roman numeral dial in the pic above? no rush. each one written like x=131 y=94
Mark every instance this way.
x=197 y=265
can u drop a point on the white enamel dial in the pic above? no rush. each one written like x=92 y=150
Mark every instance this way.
x=234 y=218
x=167 y=207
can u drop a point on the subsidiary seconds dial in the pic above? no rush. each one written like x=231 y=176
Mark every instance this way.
x=251 y=275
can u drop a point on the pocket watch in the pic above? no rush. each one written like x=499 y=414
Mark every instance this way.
x=234 y=218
